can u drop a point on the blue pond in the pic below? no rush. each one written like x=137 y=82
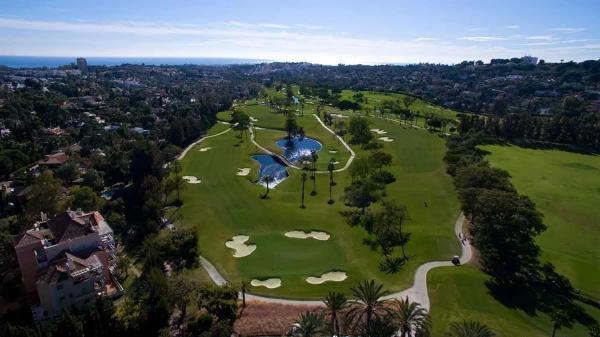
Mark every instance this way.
x=270 y=165
x=298 y=147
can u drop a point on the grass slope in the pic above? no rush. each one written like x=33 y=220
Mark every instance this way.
x=224 y=205
x=566 y=188
x=460 y=293
x=376 y=99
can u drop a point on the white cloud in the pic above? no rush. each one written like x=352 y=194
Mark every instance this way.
x=270 y=41
x=482 y=38
x=513 y=27
x=547 y=38
x=567 y=29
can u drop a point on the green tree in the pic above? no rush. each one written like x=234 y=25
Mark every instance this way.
x=411 y=317
x=291 y=126
x=335 y=304
x=360 y=169
x=86 y=199
x=178 y=183
x=359 y=129
x=380 y=159
x=183 y=291
x=311 y=324
x=303 y=178
x=330 y=168
x=44 y=197
x=68 y=172
x=388 y=227
x=408 y=101
x=560 y=319
x=240 y=121
x=243 y=289
x=361 y=194
x=313 y=158
x=368 y=304
x=267 y=179
x=469 y=328
x=93 y=179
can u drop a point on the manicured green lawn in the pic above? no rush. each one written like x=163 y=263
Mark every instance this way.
x=566 y=188
x=224 y=205
x=458 y=293
x=376 y=99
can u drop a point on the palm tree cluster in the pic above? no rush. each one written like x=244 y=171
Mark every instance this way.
x=368 y=313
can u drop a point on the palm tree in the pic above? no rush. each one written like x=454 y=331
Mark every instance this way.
x=267 y=179
x=313 y=158
x=330 y=168
x=177 y=182
x=311 y=324
x=335 y=303
x=368 y=304
x=243 y=288
x=381 y=327
x=411 y=317
x=469 y=329
x=303 y=179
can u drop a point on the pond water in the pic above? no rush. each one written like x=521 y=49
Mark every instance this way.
x=298 y=147
x=270 y=165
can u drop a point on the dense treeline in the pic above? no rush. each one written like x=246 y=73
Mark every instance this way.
x=504 y=225
x=582 y=130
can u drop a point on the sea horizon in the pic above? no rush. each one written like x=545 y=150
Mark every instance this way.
x=26 y=61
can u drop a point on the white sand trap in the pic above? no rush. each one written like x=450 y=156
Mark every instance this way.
x=191 y=179
x=225 y=123
x=204 y=149
x=321 y=236
x=379 y=131
x=238 y=244
x=386 y=139
x=243 y=171
x=333 y=276
x=336 y=162
x=258 y=128
x=270 y=283
x=332 y=151
x=253 y=119
x=340 y=116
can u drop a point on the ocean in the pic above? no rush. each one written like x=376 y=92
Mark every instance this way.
x=53 y=62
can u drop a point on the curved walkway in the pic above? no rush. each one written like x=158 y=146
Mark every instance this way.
x=417 y=293
x=189 y=147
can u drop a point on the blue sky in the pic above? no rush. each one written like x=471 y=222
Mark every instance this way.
x=440 y=31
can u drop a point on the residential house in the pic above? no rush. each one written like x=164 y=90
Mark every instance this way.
x=66 y=262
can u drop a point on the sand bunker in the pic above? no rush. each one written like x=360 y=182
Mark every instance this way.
x=238 y=244
x=221 y=122
x=253 y=119
x=386 y=139
x=270 y=283
x=321 y=236
x=191 y=179
x=340 y=115
x=333 y=276
x=379 y=131
x=333 y=151
x=204 y=149
x=243 y=171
